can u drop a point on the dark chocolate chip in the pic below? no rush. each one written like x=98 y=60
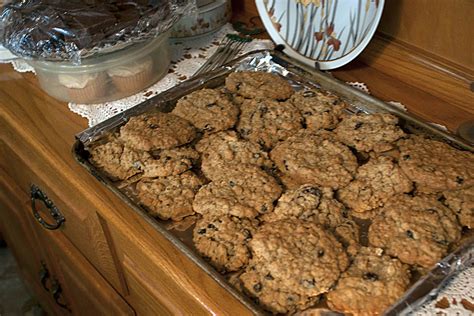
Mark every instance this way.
x=371 y=276
x=358 y=125
x=202 y=231
x=269 y=277
x=320 y=253
x=459 y=180
x=232 y=183
x=153 y=126
x=409 y=233
x=263 y=209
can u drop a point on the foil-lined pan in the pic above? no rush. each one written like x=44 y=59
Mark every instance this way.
x=300 y=76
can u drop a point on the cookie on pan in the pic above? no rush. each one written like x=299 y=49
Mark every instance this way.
x=315 y=158
x=320 y=110
x=208 y=109
x=243 y=191
x=372 y=283
x=417 y=230
x=300 y=257
x=168 y=162
x=462 y=203
x=169 y=197
x=221 y=150
x=267 y=122
x=118 y=161
x=375 y=132
x=435 y=166
x=155 y=131
x=375 y=183
x=258 y=85
x=224 y=240
x=266 y=290
x=318 y=205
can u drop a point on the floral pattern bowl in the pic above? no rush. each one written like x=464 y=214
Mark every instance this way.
x=323 y=33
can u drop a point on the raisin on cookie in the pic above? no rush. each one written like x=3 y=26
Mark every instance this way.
x=243 y=191
x=315 y=158
x=375 y=182
x=155 y=131
x=169 y=197
x=320 y=110
x=224 y=240
x=207 y=109
x=375 y=132
x=372 y=283
x=418 y=230
x=267 y=122
x=221 y=150
x=168 y=162
x=258 y=85
x=462 y=203
x=435 y=166
x=118 y=161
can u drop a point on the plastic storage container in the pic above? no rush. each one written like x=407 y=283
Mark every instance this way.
x=106 y=77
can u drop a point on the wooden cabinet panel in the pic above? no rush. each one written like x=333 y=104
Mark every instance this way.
x=82 y=225
x=84 y=290
x=22 y=241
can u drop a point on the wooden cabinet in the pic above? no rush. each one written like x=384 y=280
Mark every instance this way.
x=62 y=277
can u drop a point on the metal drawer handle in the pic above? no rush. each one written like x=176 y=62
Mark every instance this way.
x=37 y=194
x=44 y=275
x=56 y=291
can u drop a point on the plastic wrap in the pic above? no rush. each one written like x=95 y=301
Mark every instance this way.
x=423 y=287
x=61 y=30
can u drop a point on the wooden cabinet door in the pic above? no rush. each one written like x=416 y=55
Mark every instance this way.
x=81 y=287
x=81 y=226
x=22 y=240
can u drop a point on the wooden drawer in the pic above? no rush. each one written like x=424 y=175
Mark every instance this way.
x=82 y=226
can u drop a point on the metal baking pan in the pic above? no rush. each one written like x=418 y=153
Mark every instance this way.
x=299 y=75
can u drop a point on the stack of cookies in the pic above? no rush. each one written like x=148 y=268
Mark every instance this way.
x=280 y=181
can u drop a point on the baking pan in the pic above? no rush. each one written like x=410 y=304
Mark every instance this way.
x=299 y=76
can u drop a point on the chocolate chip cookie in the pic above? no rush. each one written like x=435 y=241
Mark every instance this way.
x=462 y=203
x=118 y=161
x=169 y=162
x=375 y=182
x=169 y=197
x=267 y=122
x=372 y=283
x=207 y=109
x=320 y=110
x=224 y=149
x=243 y=191
x=435 y=166
x=259 y=85
x=224 y=240
x=155 y=131
x=418 y=230
x=375 y=132
x=314 y=158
